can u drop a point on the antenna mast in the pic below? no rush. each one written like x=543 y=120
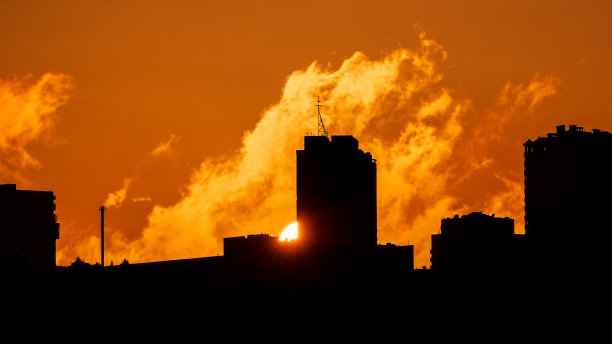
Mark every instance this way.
x=322 y=131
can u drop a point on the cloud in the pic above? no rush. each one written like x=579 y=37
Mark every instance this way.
x=253 y=191
x=165 y=147
x=141 y=199
x=399 y=110
x=28 y=112
x=115 y=199
x=517 y=105
x=531 y=95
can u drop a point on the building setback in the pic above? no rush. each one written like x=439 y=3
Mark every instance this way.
x=28 y=227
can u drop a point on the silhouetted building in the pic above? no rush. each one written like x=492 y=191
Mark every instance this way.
x=335 y=256
x=250 y=244
x=394 y=258
x=28 y=227
x=476 y=242
x=336 y=194
x=568 y=196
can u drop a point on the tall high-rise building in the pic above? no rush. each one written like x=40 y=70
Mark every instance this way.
x=336 y=194
x=568 y=196
x=28 y=227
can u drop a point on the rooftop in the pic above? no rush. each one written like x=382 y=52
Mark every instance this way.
x=572 y=132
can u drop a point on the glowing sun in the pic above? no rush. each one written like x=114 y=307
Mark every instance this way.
x=290 y=232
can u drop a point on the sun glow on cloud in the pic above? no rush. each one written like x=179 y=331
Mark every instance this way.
x=115 y=199
x=398 y=108
x=28 y=112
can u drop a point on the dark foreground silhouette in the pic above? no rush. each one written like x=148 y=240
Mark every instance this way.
x=336 y=268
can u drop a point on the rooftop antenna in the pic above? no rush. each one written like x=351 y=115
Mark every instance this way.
x=322 y=131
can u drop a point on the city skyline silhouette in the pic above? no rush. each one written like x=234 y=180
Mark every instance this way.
x=337 y=258
x=165 y=115
x=439 y=161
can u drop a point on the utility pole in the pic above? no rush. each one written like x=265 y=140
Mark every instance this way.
x=102 y=209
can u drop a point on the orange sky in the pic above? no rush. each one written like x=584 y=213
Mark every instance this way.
x=157 y=98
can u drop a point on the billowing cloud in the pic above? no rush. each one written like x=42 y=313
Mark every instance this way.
x=399 y=110
x=28 y=112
